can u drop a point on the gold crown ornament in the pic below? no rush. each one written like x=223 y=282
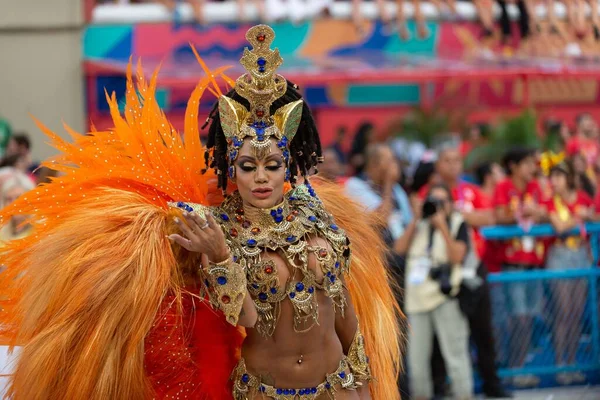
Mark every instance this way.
x=261 y=86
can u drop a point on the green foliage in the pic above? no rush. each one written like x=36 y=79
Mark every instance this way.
x=518 y=131
x=429 y=125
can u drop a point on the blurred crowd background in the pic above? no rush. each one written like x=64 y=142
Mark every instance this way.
x=467 y=129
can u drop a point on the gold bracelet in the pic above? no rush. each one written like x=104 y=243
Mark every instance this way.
x=221 y=263
x=227 y=288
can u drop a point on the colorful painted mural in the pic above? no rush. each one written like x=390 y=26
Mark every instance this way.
x=337 y=67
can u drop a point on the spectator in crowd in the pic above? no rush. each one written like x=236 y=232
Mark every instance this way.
x=16 y=161
x=525 y=17
x=332 y=167
x=364 y=136
x=20 y=145
x=425 y=173
x=518 y=200
x=576 y=13
x=13 y=187
x=435 y=244
x=378 y=189
x=338 y=144
x=477 y=136
x=477 y=212
x=487 y=176
x=567 y=209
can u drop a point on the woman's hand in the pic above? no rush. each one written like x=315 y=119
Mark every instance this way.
x=201 y=236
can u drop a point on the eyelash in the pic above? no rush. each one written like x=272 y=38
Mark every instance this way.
x=246 y=168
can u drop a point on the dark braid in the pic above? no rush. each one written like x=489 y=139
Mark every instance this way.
x=305 y=148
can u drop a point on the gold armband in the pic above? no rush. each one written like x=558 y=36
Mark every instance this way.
x=357 y=358
x=227 y=287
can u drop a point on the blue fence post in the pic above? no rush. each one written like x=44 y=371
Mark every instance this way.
x=593 y=296
x=595 y=242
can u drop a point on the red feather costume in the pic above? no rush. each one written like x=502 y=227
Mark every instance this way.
x=105 y=307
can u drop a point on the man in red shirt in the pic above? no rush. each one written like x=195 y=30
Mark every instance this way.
x=477 y=211
x=519 y=200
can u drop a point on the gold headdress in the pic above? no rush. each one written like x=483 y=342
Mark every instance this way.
x=261 y=86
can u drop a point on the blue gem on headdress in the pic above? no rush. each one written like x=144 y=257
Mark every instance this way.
x=262 y=296
x=255 y=286
x=263 y=389
x=231 y=171
x=278 y=218
x=328 y=385
x=286 y=155
x=233 y=154
x=245 y=378
x=337 y=264
x=251 y=242
x=292 y=391
x=279 y=210
x=301 y=392
x=188 y=208
x=311 y=290
x=313 y=390
x=283 y=142
x=273 y=213
x=299 y=287
x=273 y=290
x=334 y=227
x=292 y=295
x=180 y=204
x=222 y=280
x=225 y=217
x=342 y=375
x=332 y=278
x=291 y=239
x=261 y=62
x=237 y=142
x=312 y=218
x=280 y=391
x=288 y=175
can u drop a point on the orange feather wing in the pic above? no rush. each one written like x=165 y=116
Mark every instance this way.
x=86 y=295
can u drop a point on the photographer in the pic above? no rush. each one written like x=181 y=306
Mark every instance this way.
x=435 y=245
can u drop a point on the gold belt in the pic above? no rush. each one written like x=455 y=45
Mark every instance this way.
x=245 y=384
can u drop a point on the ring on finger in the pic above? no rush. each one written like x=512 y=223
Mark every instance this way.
x=204 y=226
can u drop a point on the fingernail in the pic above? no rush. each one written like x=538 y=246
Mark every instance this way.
x=185 y=214
x=170 y=238
x=176 y=220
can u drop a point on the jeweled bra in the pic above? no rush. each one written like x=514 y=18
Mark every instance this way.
x=285 y=230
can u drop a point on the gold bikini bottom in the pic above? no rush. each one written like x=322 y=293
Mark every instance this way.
x=246 y=385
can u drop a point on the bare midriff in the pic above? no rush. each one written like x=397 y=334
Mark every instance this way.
x=291 y=359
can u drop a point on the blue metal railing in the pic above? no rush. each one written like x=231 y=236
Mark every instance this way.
x=584 y=327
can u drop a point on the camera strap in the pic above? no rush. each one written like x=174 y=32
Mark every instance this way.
x=430 y=240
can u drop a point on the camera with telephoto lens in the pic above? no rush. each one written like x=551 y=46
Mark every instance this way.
x=441 y=274
x=431 y=206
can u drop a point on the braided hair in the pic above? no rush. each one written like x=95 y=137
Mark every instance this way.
x=305 y=148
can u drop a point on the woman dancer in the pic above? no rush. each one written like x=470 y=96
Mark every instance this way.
x=127 y=254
